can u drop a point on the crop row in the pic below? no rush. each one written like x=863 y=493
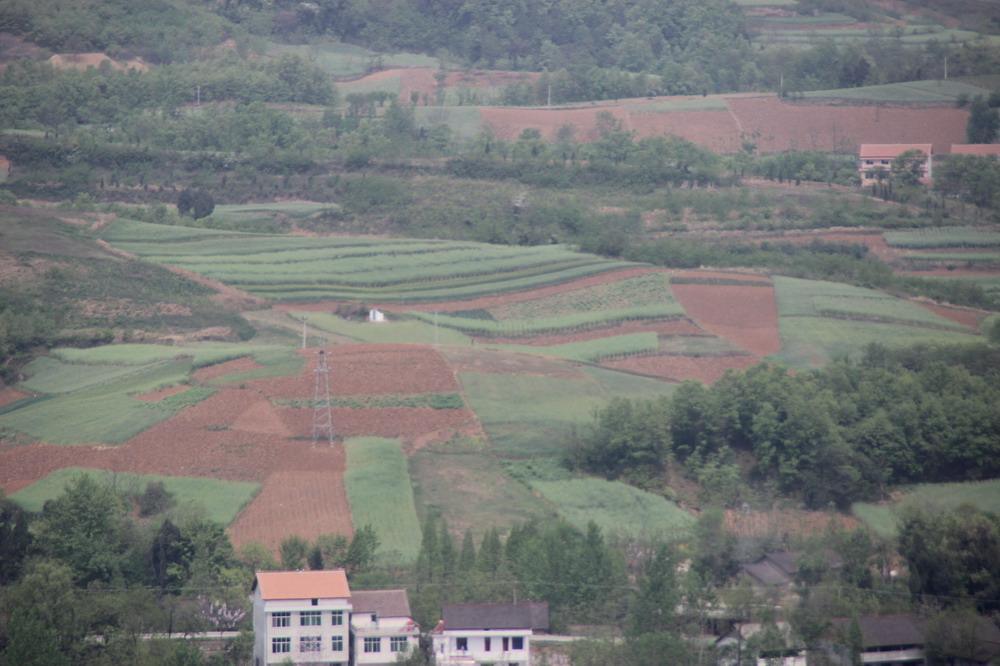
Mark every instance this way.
x=433 y=400
x=602 y=349
x=518 y=328
x=881 y=309
x=451 y=289
x=651 y=289
x=947 y=237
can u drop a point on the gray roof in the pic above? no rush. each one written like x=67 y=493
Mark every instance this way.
x=384 y=603
x=884 y=631
x=781 y=567
x=532 y=615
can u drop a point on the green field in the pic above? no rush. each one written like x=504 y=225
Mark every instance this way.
x=934 y=497
x=710 y=103
x=528 y=415
x=531 y=326
x=100 y=412
x=221 y=500
x=627 y=384
x=343 y=60
x=600 y=349
x=811 y=337
x=271 y=212
x=916 y=91
x=946 y=237
x=464 y=121
x=388 y=331
x=375 y=270
x=463 y=481
x=379 y=491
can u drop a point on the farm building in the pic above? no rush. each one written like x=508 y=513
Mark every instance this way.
x=306 y=617
x=875 y=160
x=903 y=639
x=471 y=634
x=381 y=627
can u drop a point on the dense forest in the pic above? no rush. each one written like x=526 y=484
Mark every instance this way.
x=833 y=436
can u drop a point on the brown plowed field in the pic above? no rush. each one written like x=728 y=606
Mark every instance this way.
x=965 y=316
x=508 y=123
x=306 y=503
x=747 y=316
x=718 y=131
x=9 y=395
x=706 y=369
x=776 y=125
x=239 y=434
x=779 y=522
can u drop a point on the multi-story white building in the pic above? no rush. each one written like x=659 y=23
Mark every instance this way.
x=471 y=634
x=381 y=627
x=302 y=617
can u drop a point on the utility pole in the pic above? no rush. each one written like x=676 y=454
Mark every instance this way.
x=322 y=414
x=304 y=319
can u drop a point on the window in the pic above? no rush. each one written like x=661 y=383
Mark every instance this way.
x=310 y=618
x=517 y=643
x=486 y=644
x=337 y=644
x=281 y=619
x=506 y=643
x=462 y=644
x=337 y=617
x=373 y=644
x=310 y=643
x=281 y=645
x=315 y=602
x=398 y=643
x=374 y=617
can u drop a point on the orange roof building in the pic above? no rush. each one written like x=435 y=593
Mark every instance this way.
x=302 y=616
x=876 y=158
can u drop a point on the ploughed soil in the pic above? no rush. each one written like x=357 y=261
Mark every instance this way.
x=250 y=432
x=746 y=315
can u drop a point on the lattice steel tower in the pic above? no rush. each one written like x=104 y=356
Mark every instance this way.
x=322 y=415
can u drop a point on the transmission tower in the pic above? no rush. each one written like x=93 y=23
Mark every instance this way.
x=322 y=417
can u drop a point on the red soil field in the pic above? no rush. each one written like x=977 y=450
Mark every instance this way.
x=776 y=125
x=508 y=123
x=239 y=434
x=777 y=522
x=747 y=316
x=719 y=130
x=9 y=395
x=473 y=359
x=706 y=369
x=966 y=316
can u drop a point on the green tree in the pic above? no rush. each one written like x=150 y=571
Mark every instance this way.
x=653 y=609
x=85 y=527
x=984 y=122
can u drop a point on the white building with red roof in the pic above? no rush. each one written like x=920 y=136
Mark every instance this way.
x=301 y=617
x=875 y=160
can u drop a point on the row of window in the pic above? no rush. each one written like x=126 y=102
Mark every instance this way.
x=507 y=643
x=283 y=644
x=306 y=618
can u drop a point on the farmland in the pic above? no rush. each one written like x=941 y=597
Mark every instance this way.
x=936 y=497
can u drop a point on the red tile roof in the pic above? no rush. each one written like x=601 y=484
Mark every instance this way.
x=330 y=584
x=975 y=149
x=884 y=150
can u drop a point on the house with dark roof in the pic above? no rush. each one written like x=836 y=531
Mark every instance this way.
x=301 y=616
x=470 y=634
x=875 y=160
x=891 y=640
x=381 y=626
x=781 y=568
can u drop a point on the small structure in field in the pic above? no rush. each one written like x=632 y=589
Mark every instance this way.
x=875 y=161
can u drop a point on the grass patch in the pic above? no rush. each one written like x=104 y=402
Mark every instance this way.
x=124 y=230
x=945 y=237
x=617 y=508
x=464 y=121
x=882 y=309
x=222 y=500
x=422 y=332
x=611 y=347
x=528 y=415
x=710 y=103
x=931 y=497
x=432 y=400
x=627 y=385
x=466 y=485
x=812 y=342
x=570 y=321
x=379 y=491
x=917 y=91
x=101 y=413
